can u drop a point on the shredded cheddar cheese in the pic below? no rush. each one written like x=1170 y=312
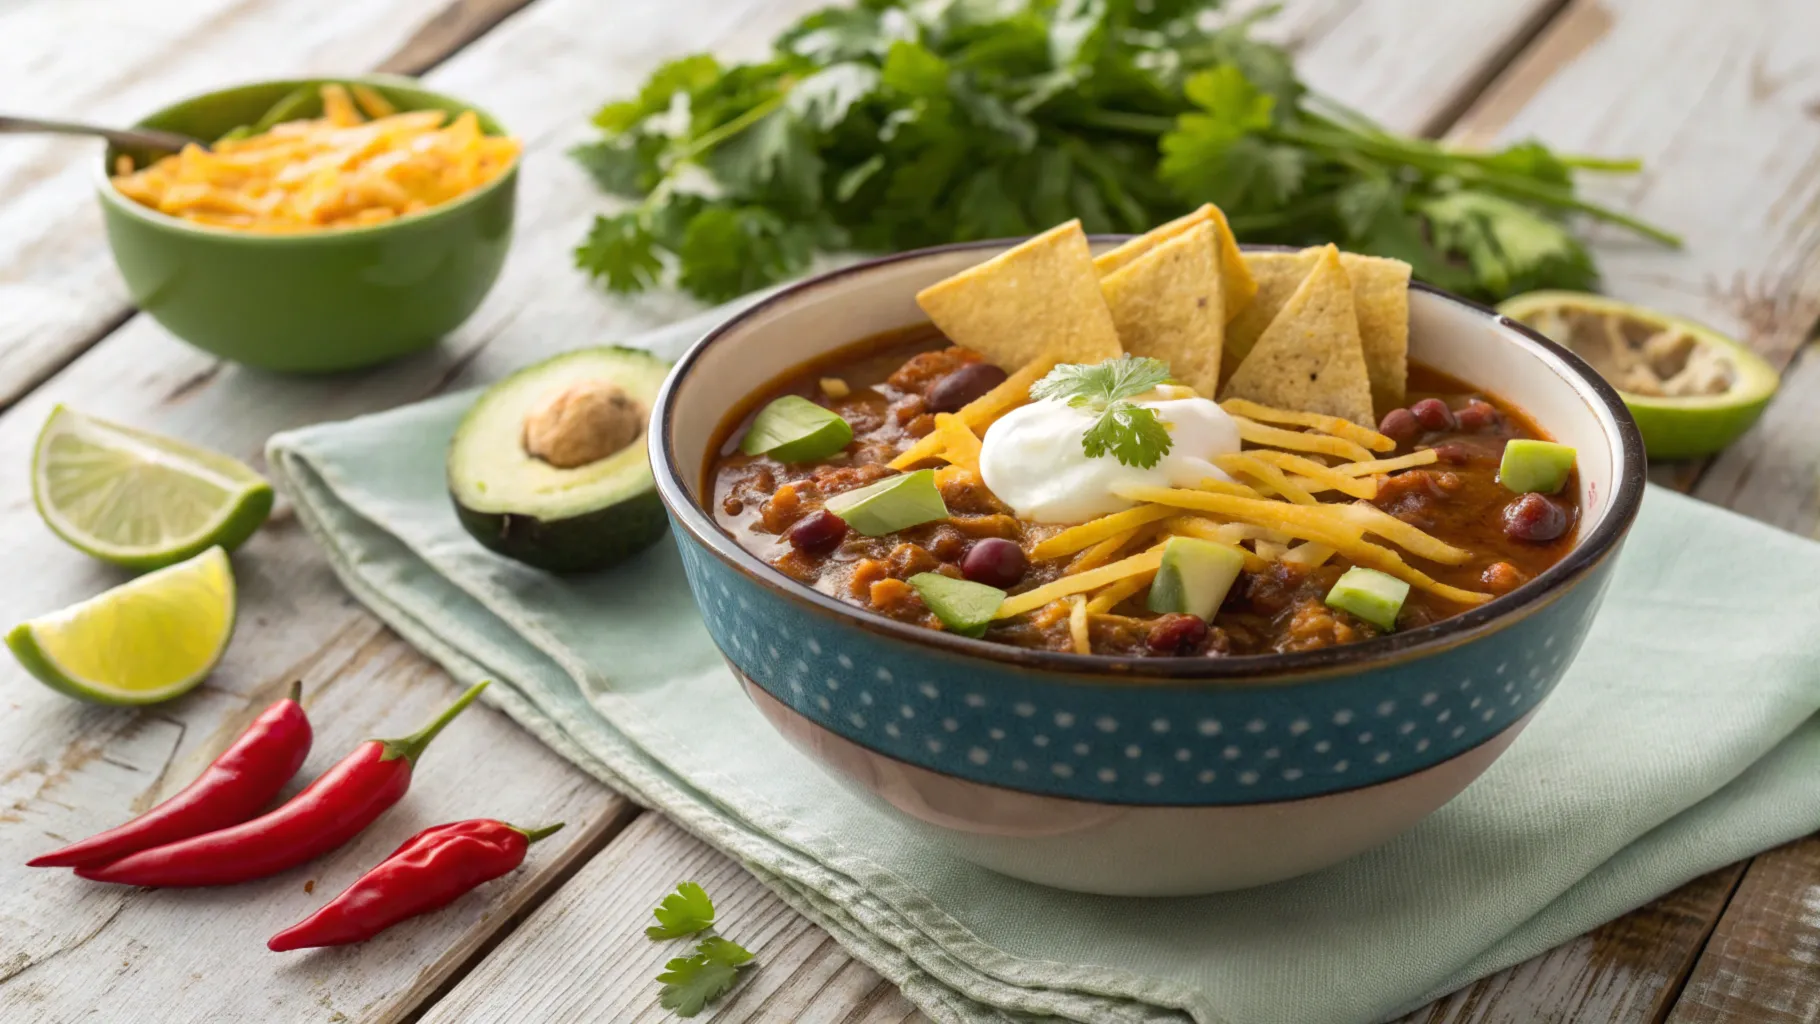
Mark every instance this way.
x=341 y=170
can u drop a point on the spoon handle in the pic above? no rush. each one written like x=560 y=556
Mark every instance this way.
x=137 y=138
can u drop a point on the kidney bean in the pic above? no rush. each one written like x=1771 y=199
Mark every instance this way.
x=1175 y=635
x=1476 y=416
x=1433 y=414
x=962 y=386
x=1534 y=518
x=817 y=533
x=996 y=562
x=1400 y=425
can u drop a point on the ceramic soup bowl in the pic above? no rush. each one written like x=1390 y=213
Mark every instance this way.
x=1139 y=776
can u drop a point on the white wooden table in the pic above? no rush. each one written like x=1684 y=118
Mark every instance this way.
x=1722 y=101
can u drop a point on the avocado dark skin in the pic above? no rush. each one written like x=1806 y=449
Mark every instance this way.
x=577 y=544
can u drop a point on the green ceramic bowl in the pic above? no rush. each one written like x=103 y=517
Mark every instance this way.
x=312 y=303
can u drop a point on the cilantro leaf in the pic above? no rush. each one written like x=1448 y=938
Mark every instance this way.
x=684 y=912
x=685 y=74
x=774 y=156
x=893 y=124
x=726 y=253
x=1130 y=433
x=1508 y=246
x=824 y=99
x=621 y=167
x=621 y=251
x=1100 y=384
x=690 y=983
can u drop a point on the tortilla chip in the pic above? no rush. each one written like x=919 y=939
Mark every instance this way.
x=1168 y=304
x=1380 y=298
x=1042 y=296
x=1235 y=276
x=1380 y=293
x=1310 y=358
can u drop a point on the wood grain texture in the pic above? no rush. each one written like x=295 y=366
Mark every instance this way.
x=1626 y=970
x=1763 y=963
x=67 y=770
x=70 y=948
x=115 y=62
x=598 y=965
x=1773 y=472
x=1720 y=104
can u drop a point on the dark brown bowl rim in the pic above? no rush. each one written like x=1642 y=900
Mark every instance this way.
x=1259 y=669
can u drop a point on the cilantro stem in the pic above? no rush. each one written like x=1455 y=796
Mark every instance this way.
x=1432 y=159
x=720 y=133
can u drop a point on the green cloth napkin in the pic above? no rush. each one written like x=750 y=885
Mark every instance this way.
x=1684 y=738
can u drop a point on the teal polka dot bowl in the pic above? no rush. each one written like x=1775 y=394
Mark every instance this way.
x=1140 y=776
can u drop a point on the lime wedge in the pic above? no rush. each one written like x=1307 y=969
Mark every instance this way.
x=137 y=499
x=142 y=642
x=1691 y=389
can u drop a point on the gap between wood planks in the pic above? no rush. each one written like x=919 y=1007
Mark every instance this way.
x=445 y=34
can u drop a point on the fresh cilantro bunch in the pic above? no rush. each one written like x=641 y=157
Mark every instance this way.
x=894 y=124
x=1129 y=433
x=691 y=982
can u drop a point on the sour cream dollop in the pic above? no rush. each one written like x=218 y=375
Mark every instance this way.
x=1032 y=458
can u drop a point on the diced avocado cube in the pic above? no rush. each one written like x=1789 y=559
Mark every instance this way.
x=794 y=429
x=963 y=606
x=1371 y=595
x=1194 y=576
x=894 y=503
x=1530 y=466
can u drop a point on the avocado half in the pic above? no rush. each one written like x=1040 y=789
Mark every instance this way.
x=560 y=520
x=1673 y=426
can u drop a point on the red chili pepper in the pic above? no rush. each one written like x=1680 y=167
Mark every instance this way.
x=329 y=812
x=241 y=781
x=429 y=871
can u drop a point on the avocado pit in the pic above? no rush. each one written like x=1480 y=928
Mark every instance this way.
x=583 y=422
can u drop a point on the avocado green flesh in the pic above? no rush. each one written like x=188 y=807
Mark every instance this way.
x=1194 y=577
x=1371 y=595
x=1672 y=427
x=1535 y=467
x=559 y=520
x=894 y=503
x=794 y=429
x=963 y=606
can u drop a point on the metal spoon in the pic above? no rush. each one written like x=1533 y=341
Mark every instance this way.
x=126 y=138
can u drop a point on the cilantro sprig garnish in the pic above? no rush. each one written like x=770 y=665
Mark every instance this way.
x=691 y=982
x=686 y=911
x=893 y=124
x=1128 y=432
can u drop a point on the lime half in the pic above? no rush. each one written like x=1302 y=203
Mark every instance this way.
x=137 y=499
x=1691 y=389
x=142 y=642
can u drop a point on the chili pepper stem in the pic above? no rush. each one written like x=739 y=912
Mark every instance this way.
x=411 y=747
x=534 y=834
x=296 y=695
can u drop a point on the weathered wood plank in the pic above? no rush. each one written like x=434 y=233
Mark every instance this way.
x=1773 y=472
x=1626 y=970
x=59 y=292
x=596 y=963
x=1720 y=107
x=66 y=770
x=1760 y=965
x=1415 y=64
